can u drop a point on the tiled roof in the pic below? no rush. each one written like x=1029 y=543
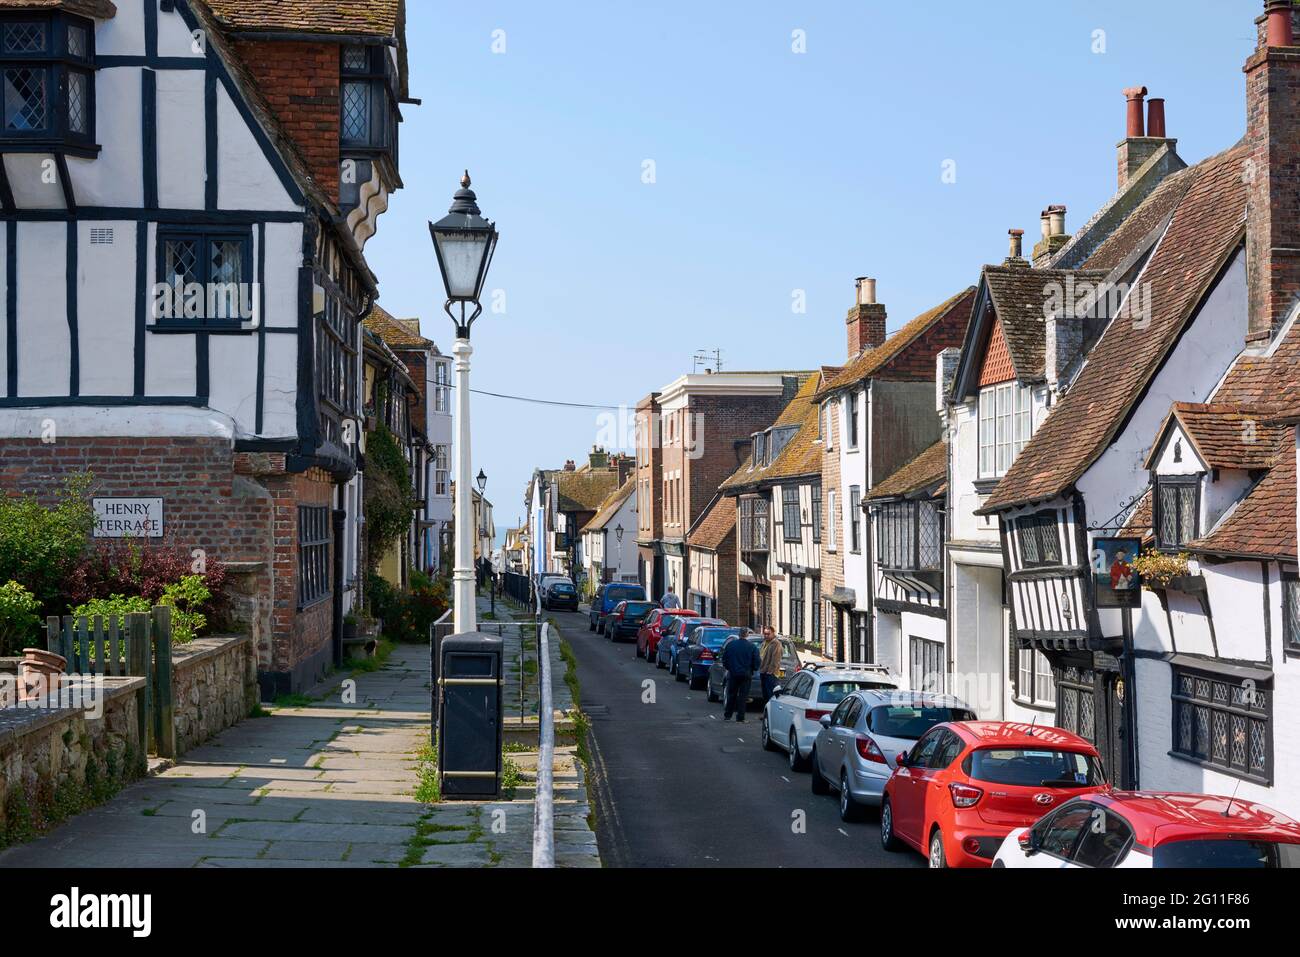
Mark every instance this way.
x=348 y=17
x=95 y=9
x=585 y=491
x=1205 y=230
x=1263 y=525
x=998 y=367
x=713 y=527
x=1142 y=222
x=396 y=333
x=1020 y=296
x=873 y=362
x=1141 y=522
x=801 y=456
x=1227 y=437
x=609 y=508
x=925 y=472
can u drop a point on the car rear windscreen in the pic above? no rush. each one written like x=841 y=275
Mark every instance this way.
x=564 y=588
x=625 y=593
x=1035 y=768
x=637 y=610
x=714 y=639
x=1227 y=853
x=910 y=722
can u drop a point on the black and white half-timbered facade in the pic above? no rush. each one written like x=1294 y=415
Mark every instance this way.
x=183 y=281
x=1172 y=442
x=907 y=518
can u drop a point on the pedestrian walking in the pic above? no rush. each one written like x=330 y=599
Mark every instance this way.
x=740 y=659
x=770 y=655
x=670 y=601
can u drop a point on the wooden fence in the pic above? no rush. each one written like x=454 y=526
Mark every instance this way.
x=137 y=646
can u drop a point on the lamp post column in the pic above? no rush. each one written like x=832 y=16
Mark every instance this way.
x=466 y=618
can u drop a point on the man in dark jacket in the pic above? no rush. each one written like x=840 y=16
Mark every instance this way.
x=740 y=659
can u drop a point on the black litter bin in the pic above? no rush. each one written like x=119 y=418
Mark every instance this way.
x=470 y=715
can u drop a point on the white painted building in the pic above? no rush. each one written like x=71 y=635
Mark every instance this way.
x=177 y=273
x=608 y=549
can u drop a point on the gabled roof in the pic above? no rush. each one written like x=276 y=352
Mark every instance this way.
x=801 y=456
x=1224 y=436
x=1263 y=525
x=877 y=362
x=712 y=529
x=609 y=508
x=925 y=474
x=396 y=333
x=95 y=9
x=373 y=18
x=1020 y=296
x=584 y=491
x=1204 y=232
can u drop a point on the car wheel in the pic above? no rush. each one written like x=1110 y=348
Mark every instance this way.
x=819 y=785
x=766 y=734
x=887 y=839
x=937 y=859
x=714 y=697
x=797 y=762
x=659 y=663
x=850 y=810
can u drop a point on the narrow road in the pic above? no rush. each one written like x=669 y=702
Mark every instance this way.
x=675 y=786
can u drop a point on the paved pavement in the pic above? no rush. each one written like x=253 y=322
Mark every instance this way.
x=325 y=785
x=675 y=786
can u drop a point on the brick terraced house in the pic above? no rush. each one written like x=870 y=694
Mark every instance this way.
x=878 y=414
x=186 y=189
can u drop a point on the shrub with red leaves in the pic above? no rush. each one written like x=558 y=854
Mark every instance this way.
x=130 y=568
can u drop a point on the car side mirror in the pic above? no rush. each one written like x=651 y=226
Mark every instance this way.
x=1028 y=843
x=825 y=721
x=776 y=692
x=901 y=760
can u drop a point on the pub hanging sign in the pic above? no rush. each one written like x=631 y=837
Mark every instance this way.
x=128 y=518
x=1118 y=585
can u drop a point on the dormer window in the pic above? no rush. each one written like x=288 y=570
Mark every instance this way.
x=1177 y=507
x=48 y=67
x=369 y=112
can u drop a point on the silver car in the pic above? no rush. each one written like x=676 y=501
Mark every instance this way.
x=858 y=743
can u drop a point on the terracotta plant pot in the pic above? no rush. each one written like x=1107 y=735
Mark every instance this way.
x=40 y=673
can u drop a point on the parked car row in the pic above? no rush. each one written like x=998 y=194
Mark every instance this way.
x=960 y=791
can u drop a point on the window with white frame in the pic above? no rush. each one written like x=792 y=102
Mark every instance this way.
x=441 y=471
x=855 y=519
x=832 y=521
x=441 y=387
x=1006 y=426
x=1036 y=682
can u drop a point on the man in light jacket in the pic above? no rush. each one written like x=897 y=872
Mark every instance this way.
x=771 y=654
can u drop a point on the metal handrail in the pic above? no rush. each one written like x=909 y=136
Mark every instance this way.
x=544 y=802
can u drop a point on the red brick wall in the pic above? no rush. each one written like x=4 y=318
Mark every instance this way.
x=239 y=508
x=417 y=365
x=916 y=361
x=301 y=82
x=866 y=325
x=1273 y=136
x=718 y=423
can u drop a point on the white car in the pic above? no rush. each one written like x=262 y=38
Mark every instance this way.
x=792 y=718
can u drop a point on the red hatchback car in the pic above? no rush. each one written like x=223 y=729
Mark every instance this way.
x=648 y=635
x=966 y=785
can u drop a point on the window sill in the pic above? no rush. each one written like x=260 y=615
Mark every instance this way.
x=314 y=603
x=1035 y=705
x=985 y=486
x=210 y=328
x=9 y=144
x=1230 y=772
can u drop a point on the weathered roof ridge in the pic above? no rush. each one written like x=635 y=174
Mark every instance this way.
x=609 y=508
x=1205 y=230
x=927 y=471
x=799 y=457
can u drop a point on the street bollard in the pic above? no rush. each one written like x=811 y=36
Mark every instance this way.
x=470 y=716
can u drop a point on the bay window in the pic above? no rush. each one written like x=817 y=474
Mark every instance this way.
x=1005 y=426
x=909 y=536
x=1039 y=540
x=368 y=100
x=48 y=66
x=1177 y=506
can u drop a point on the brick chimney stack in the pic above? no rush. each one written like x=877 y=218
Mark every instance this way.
x=866 y=320
x=1271 y=172
x=1143 y=137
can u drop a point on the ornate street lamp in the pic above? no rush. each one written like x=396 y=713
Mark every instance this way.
x=618 y=533
x=465 y=243
x=481 y=481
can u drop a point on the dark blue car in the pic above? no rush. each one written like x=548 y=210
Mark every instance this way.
x=675 y=637
x=607 y=599
x=697 y=655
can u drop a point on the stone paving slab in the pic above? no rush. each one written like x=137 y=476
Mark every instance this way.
x=326 y=785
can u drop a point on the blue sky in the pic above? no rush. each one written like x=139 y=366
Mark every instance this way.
x=774 y=171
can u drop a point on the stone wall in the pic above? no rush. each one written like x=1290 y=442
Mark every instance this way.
x=56 y=762
x=215 y=683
